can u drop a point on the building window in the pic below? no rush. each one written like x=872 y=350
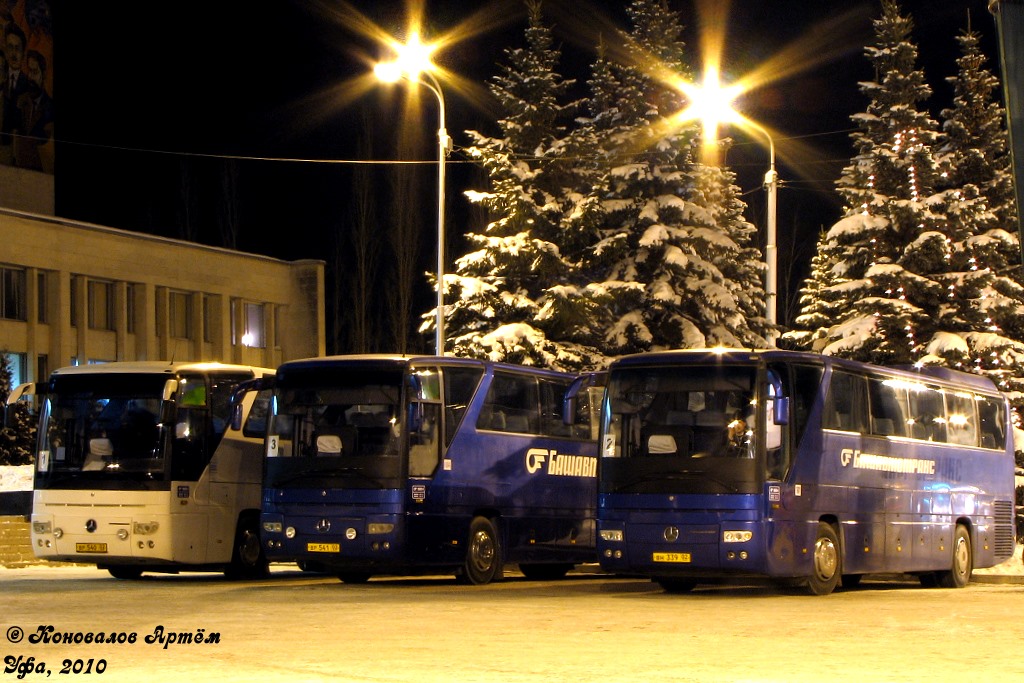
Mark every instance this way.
x=101 y=305
x=42 y=367
x=73 y=308
x=255 y=328
x=180 y=316
x=41 y=298
x=12 y=294
x=207 y=323
x=17 y=361
x=129 y=308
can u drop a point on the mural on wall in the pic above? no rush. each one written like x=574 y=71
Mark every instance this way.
x=26 y=64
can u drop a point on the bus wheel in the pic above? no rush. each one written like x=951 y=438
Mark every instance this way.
x=545 y=572
x=247 y=560
x=676 y=585
x=827 y=569
x=483 y=554
x=963 y=561
x=354 y=577
x=125 y=572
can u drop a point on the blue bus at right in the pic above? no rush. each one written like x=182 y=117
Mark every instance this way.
x=733 y=463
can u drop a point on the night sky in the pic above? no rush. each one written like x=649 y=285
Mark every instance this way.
x=147 y=91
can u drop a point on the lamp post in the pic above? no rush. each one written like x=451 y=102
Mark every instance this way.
x=414 y=65
x=711 y=103
x=771 y=252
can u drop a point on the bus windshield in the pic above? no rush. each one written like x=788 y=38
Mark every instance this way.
x=342 y=430
x=681 y=430
x=99 y=428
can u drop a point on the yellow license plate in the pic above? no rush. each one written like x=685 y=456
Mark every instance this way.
x=323 y=547
x=90 y=547
x=672 y=557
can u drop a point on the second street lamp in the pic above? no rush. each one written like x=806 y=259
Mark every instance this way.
x=711 y=103
x=413 y=64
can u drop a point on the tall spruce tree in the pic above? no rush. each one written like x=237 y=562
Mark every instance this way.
x=514 y=295
x=982 y=316
x=874 y=275
x=668 y=261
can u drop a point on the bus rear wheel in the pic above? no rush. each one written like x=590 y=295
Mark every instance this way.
x=354 y=577
x=127 y=572
x=247 y=559
x=959 y=575
x=827 y=561
x=483 y=554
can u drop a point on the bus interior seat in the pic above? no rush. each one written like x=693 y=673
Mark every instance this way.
x=661 y=444
x=883 y=426
x=328 y=444
x=517 y=423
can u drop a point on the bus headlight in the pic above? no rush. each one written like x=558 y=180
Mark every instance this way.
x=272 y=527
x=379 y=528
x=737 y=536
x=58 y=532
x=612 y=535
x=145 y=528
x=122 y=534
x=42 y=527
x=350 y=533
x=290 y=532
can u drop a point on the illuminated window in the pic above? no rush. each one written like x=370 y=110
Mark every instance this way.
x=254 y=334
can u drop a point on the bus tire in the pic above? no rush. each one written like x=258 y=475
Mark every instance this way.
x=827 y=561
x=354 y=577
x=545 y=572
x=676 y=585
x=247 y=558
x=127 y=572
x=483 y=554
x=959 y=575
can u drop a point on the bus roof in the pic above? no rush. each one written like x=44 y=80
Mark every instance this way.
x=686 y=356
x=399 y=360
x=166 y=367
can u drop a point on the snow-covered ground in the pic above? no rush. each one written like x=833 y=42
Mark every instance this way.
x=15 y=478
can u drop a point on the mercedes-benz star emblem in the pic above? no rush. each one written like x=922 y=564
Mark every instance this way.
x=323 y=526
x=90 y=525
x=671 y=534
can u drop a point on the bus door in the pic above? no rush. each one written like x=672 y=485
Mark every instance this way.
x=438 y=401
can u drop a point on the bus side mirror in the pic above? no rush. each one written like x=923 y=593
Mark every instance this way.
x=238 y=393
x=585 y=381
x=16 y=394
x=415 y=417
x=168 y=404
x=780 y=410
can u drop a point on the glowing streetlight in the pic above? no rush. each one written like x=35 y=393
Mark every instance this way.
x=413 y=63
x=711 y=103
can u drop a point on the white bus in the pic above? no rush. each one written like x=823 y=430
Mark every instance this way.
x=139 y=469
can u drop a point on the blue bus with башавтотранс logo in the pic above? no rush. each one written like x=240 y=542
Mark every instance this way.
x=398 y=465
x=803 y=468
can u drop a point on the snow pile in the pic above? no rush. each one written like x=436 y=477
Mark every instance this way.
x=15 y=478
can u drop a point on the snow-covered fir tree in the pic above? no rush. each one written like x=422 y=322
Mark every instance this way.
x=982 y=317
x=670 y=264
x=874 y=275
x=514 y=296
x=18 y=437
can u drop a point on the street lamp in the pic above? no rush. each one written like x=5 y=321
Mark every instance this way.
x=711 y=103
x=414 y=65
